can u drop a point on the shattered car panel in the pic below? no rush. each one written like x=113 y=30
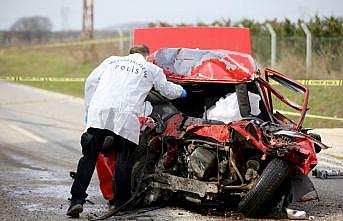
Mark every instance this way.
x=184 y=60
x=195 y=65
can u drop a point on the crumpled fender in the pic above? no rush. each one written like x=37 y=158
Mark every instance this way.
x=223 y=133
x=217 y=132
x=302 y=135
x=306 y=147
x=251 y=133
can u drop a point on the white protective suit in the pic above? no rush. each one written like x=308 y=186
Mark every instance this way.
x=115 y=92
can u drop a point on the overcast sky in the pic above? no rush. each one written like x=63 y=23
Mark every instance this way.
x=67 y=14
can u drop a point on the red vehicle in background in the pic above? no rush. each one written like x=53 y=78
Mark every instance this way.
x=225 y=144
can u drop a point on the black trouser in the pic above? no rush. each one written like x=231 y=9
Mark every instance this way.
x=91 y=143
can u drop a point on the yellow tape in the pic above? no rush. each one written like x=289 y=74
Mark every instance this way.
x=324 y=82
x=310 y=115
x=52 y=79
x=328 y=83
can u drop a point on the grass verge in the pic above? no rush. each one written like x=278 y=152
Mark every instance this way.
x=323 y=101
x=77 y=62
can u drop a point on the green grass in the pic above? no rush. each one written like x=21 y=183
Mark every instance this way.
x=326 y=101
x=71 y=62
x=60 y=62
x=45 y=63
x=70 y=88
x=323 y=101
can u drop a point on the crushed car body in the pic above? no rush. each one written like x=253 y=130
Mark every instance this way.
x=224 y=144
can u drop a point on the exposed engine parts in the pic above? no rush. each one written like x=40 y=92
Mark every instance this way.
x=252 y=170
x=206 y=162
x=201 y=162
x=201 y=168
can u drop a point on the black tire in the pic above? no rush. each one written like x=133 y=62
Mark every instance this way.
x=264 y=188
x=136 y=175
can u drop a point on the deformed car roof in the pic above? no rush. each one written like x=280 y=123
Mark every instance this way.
x=194 y=65
x=200 y=54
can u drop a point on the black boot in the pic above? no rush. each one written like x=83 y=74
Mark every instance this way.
x=75 y=208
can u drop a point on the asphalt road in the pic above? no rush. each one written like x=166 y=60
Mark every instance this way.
x=39 y=145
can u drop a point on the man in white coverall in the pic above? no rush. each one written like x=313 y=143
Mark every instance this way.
x=114 y=95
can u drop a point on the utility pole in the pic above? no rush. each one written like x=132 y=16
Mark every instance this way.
x=89 y=52
x=87 y=20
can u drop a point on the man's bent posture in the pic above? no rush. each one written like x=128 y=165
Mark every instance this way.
x=114 y=96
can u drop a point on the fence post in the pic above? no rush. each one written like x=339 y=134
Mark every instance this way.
x=131 y=38
x=273 y=44
x=308 y=48
x=121 y=43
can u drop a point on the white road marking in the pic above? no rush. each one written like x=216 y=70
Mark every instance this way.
x=28 y=134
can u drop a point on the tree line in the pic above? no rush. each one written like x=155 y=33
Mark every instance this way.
x=38 y=29
x=319 y=26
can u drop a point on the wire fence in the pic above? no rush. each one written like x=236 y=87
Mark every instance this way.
x=327 y=59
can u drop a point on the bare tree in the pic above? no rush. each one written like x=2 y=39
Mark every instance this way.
x=35 y=29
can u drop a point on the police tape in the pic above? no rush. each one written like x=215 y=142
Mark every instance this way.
x=75 y=79
x=311 y=116
x=328 y=83
x=42 y=79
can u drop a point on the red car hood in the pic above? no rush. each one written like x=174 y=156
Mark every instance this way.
x=233 y=43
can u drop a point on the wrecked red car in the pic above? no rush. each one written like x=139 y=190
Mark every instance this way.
x=224 y=144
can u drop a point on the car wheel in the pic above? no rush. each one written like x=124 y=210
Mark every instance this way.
x=264 y=188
